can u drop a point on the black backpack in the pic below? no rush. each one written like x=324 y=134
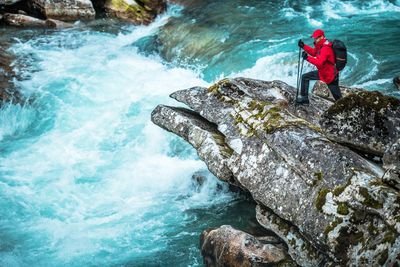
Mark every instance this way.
x=340 y=51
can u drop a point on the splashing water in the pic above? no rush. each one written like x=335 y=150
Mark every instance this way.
x=86 y=179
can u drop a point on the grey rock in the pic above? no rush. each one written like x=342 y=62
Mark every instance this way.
x=321 y=89
x=57 y=24
x=20 y=20
x=367 y=121
x=332 y=195
x=391 y=164
x=227 y=246
x=65 y=10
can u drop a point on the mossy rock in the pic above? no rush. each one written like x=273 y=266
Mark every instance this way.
x=135 y=11
x=366 y=121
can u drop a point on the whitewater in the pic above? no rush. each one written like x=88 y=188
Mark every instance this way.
x=87 y=180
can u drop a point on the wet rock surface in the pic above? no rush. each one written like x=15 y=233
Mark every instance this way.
x=328 y=203
x=8 y=92
x=65 y=10
x=227 y=246
x=138 y=12
x=20 y=20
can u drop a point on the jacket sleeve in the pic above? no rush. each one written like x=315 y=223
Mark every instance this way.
x=319 y=60
x=311 y=51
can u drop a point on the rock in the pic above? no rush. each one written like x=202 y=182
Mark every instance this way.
x=332 y=198
x=396 y=82
x=9 y=2
x=321 y=89
x=22 y=12
x=135 y=11
x=8 y=93
x=20 y=20
x=391 y=164
x=226 y=246
x=367 y=121
x=65 y=10
x=57 y=24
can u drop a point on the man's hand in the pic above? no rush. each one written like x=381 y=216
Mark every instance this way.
x=300 y=43
x=304 y=55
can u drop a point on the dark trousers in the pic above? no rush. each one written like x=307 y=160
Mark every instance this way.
x=313 y=75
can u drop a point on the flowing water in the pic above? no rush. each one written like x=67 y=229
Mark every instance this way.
x=87 y=180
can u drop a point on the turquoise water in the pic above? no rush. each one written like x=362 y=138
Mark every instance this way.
x=87 y=180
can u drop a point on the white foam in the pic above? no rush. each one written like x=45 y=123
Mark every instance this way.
x=103 y=177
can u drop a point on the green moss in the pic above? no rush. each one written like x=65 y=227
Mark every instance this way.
x=371 y=100
x=368 y=200
x=389 y=237
x=292 y=242
x=372 y=229
x=333 y=225
x=338 y=190
x=318 y=177
x=321 y=199
x=342 y=209
x=214 y=88
x=383 y=257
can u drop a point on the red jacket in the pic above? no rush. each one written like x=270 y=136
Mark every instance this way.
x=323 y=58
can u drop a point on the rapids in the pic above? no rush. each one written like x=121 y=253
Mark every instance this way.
x=87 y=180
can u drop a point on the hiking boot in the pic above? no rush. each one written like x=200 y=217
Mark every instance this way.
x=302 y=100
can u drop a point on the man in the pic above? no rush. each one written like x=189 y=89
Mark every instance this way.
x=323 y=58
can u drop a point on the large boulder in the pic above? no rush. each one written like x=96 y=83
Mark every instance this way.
x=367 y=121
x=227 y=246
x=65 y=10
x=327 y=202
x=20 y=20
x=138 y=12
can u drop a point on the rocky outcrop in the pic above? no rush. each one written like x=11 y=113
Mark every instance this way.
x=226 y=246
x=138 y=12
x=65 y=10
x=19 y=20
x=329 y=204
x=366 y=121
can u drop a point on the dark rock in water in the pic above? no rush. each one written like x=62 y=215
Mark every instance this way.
x=325 y=201
x=396 y=82
x=8 y=92
x=20 y=20
x=57 y=24
x=137 y=12
x=67 y=10
x=226 y=246
x=367 y=121
x=391 y=164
